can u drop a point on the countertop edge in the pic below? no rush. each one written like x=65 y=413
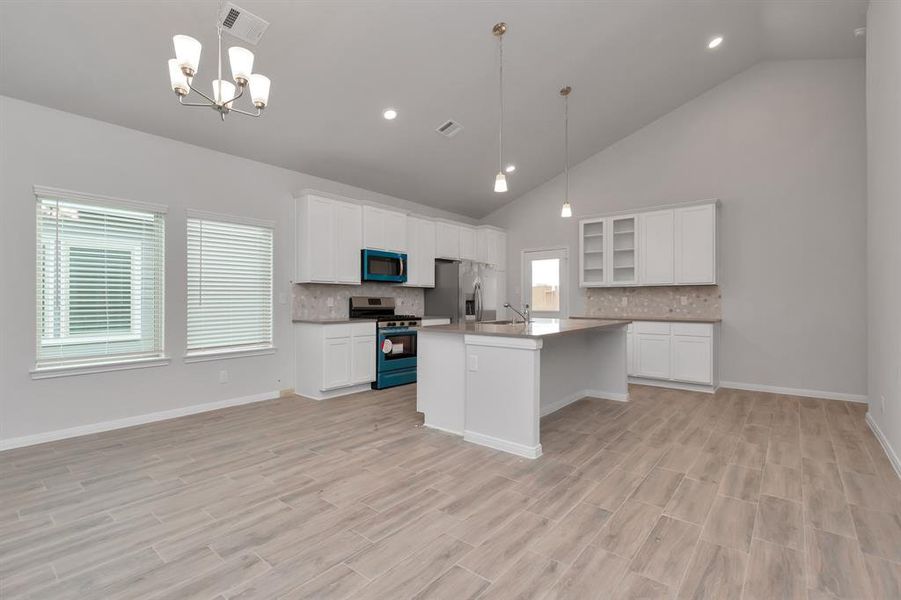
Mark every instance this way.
x=645 y=318
x=455 y=330
x=332 y=321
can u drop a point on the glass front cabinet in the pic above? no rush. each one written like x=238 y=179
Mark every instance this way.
x=607 y=253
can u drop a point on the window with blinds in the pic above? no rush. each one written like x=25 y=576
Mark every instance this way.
x=100 y=267
x=229 y=286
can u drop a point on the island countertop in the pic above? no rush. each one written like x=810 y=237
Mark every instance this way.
x=537 y=328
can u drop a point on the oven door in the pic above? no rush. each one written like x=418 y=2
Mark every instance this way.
x=379 y=265
x=397 y=349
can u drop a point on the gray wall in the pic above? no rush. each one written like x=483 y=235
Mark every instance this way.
x=884 y=217
x=52 y=148
x=783 y=146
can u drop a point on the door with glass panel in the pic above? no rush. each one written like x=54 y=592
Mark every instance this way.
x=544 y=280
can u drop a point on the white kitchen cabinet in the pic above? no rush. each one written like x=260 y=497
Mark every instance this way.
x=447 y=240
x=334 y=359
x=670 y=246
x=500 y=239
x=384 y=229
x=420 y=252
x=656 y=243
x=652 y=350
x=691 y=359
x=593 y=252
x=348 y=242
x=362 y=361
x=622 y=250
x=695 y=244
x=468 y=246
x=328 y=240
x=677 y=352
x=491 y=247
x=336 y=363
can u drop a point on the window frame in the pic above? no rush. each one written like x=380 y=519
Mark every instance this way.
x=85 y=365
x=210 y=354
x=530 y=254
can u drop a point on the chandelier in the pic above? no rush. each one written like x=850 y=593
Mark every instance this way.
x=184 y=67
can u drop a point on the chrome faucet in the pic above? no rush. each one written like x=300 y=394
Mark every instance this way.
x=526 y=316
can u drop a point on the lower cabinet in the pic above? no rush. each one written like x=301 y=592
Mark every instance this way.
x=679 y=352
x=333 y=358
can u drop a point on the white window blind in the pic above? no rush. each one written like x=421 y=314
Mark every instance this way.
x=229 y=286
x=99 y=280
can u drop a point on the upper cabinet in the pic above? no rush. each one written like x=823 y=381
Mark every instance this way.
x=328 y=242
x=447 y=240
x=330 y=233
x=468 y=246
x=491 y=247
x=623 y=250
x=420 y=252
x=695 y=244
x=674 y=246
x=384 y=229
x=656 y=235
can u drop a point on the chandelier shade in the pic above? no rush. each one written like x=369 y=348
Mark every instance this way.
x=241 y=60
x=177 y=78
x=223 y=92
x=187 y=53
x=259 y=90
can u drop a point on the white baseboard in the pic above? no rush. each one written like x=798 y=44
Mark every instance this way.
x=772 y=389
x=442 y=429
x=567 y=400
x=165 y=415
x=889 y=451
x=674 y=385
x=502 y=445
x=336 y=393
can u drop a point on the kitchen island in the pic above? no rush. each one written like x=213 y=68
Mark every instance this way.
x=492 y=382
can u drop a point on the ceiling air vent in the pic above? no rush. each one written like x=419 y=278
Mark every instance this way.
x=449 y=128
x=242 y=24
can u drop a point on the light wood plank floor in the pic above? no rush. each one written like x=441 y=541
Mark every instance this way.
x=673 y=495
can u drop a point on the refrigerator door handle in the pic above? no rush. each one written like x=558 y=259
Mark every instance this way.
x=477 y=299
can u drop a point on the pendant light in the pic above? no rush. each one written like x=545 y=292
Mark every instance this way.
x=500 y=182
x=566 y=211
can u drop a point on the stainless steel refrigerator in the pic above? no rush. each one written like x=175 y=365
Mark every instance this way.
x=457 y=293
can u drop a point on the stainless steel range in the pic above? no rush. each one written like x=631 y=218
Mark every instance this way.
x=396 y=340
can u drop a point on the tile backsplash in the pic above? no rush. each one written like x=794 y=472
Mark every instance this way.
x=688 y=301
x=311 y=300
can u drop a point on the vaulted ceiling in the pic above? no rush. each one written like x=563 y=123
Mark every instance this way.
x=336 y=65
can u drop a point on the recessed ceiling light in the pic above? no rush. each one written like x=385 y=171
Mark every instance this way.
x=715 y=42
x=390 y=114
x=510 y=168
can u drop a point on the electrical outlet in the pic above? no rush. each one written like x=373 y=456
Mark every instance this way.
x=624 y=301
x=683 y=300
x=223 y=376
x=330 y=302
x=473 y=362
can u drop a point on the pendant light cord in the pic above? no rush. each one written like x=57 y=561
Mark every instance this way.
x=500 y=130
x=566 y=146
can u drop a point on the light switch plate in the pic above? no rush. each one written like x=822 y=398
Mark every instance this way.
x=330 y=302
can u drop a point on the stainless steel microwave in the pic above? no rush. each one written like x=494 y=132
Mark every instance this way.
x=389 y=267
